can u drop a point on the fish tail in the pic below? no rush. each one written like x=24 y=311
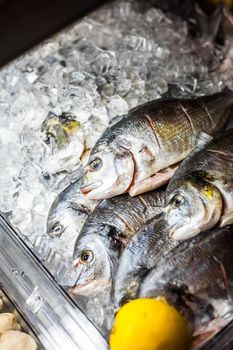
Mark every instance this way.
x=208 y=26
x=218 y=108
x=228 y=91
x=220 y=103
x=226 y=99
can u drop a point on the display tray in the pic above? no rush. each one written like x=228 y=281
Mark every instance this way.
x=122 y=55
x=52 y=316
x=20 y=323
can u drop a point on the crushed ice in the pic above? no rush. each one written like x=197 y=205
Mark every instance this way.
x=116 y=59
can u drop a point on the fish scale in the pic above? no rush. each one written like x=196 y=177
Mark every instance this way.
x=197 y=279
x=213 y=160
x=155 y=136
x=107 y=231
x=197 y=267
x=148 y=245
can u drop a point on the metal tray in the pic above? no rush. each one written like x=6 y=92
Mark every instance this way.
x=56 y=321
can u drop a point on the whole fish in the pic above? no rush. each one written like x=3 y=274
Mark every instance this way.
x=68 y=214
x=200 y=194
x=105 y=234
x=139 y=153
x=144 y=250
x=196 y=277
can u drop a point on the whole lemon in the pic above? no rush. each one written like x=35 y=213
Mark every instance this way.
x=149 y=324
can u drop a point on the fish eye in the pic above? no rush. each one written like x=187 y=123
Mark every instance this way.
x=177 y=200
x=49 y=135
x=96 y=164
x=86 y=256
x=57 y=230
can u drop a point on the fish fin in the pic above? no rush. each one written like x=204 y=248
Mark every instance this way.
x=201 y=339
x=226 y=219
x=228 y=16
x=203 y=138
x=175 y=91
x=208 y=26
x=116 y=119
x=80 y=208
x=153 y=182
x=85 y=156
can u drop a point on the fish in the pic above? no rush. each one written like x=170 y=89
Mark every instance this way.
x=196 y=277
x=65 y=137
x=200 y=194
x=141 y=151
x=68 y=214
x=144 y=250
x=105 y=234
x=60 y=129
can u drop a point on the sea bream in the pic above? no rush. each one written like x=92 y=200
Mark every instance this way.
x=140 y=153
x=68 y=214
x=65 y=137
x=196 y=277
x=150 y=243
x=200 y=194
x=105 y=234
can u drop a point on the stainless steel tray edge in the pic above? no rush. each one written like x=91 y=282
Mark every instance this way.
x=58 y=323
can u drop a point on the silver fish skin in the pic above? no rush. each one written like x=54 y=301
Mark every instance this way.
x=196 y=277
x=200 y=194
x=141 y=254
x=68 y=214
x=139 y=153
x=105 y=234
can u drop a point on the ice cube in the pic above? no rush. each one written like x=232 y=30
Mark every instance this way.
x=117 y=106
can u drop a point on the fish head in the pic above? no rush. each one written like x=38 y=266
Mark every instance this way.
x=65 y=226
x=65 y=220
x=108 y=173
x=95 y=258
x=194 y=205
x=143 y=252
x=59 y=129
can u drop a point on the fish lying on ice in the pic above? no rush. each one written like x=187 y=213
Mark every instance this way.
x=200 y=194
x=60 y=129
x=68 y=214
x=144 y=250
x=196 y=277
x=139 y=153
x=65 y=137
x=105 y=234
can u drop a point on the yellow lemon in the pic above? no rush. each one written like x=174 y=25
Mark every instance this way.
x=149 y=324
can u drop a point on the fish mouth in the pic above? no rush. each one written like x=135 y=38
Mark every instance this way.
x=177 y=236
x=88 y=287
x=83 y=288
x=88 y=188
x=173 y=229
x=179 y=233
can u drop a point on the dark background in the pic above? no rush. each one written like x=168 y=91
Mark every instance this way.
x=24 y=23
